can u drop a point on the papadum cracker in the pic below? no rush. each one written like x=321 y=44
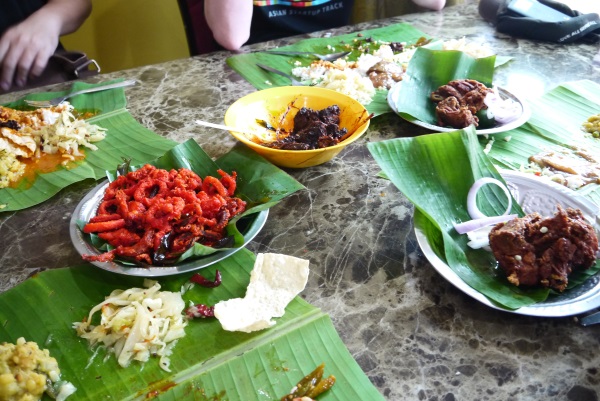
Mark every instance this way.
x=275 y=280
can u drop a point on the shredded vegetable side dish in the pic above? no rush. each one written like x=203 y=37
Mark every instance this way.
x=28 y=136
x=137 y=323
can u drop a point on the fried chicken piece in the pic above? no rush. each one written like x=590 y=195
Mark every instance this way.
x=450 y=112
x=468 y=98
x=313 y=129
x=543 y=251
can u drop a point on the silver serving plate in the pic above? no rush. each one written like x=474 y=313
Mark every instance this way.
x=534 y=194
x=86 y=209
x=394 y=92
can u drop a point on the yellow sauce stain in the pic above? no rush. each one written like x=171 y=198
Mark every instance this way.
x=47 y=163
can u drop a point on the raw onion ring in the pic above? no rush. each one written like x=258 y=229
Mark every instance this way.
x=472 y=225
x=501 y=110
x=474 y=211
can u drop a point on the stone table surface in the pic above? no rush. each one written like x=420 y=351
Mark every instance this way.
x=413 y=333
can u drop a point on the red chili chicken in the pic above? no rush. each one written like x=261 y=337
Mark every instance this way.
x=153 y=215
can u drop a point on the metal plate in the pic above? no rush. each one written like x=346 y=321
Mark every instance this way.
x=249 y=226
x=395 y=92
x=534 y=194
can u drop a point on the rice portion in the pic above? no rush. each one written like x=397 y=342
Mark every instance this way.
x=474 y=50
x=350 y=77
x=349 y=82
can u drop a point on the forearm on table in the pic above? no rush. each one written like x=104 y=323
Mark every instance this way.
x=431 y=4
x=229 y=21
x=66 y=16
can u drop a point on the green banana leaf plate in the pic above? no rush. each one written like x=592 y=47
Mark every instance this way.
x=125 y=137
x=419 y=167
x=245 y=64
x=555 y=125
x=207 y=364
x=430 y=68
x=259 y=183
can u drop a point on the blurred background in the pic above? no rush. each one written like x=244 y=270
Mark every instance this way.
x=122 y=34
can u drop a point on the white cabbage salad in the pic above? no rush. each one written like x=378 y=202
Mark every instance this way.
x=137 y=323
x=64 y=133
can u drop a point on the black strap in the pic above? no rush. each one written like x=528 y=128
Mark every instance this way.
x=583 y=27
x=76 y=63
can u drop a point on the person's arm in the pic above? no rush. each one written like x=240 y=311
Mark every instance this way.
x=431 y=4
x=229 y=21
x=26 y=47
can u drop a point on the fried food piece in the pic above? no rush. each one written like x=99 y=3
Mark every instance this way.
x=450 y=112
x=152 y=215
x=313 y=129
x=459 y=101
x=543 y=251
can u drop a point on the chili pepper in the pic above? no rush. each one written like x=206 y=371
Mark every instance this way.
x=311 y=385
x=310 y=380
x=204 y=282
x=321 y=387
x=200 y=310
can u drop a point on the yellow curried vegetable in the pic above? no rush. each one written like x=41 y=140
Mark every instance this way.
x=26 y=371
x=592 y=125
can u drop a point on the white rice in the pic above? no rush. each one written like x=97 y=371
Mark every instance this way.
x=474 y=50
x=350 y=78
x=349 y=82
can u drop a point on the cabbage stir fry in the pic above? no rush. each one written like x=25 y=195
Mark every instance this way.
x=137 y=323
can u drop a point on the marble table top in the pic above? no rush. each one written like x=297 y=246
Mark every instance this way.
x=415 y=335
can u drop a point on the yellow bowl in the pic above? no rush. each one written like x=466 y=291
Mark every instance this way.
x=271 y=105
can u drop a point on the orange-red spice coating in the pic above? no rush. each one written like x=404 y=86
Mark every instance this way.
x=153 y=215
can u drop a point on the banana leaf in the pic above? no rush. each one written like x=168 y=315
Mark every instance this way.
x=125 y=138
x=499 y=61
x=419 y=167
x=245 y=64
x=259 y=183
x=207 y=364
x=555 y=124
x=429 y=69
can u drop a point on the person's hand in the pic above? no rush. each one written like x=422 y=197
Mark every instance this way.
x=25 y=49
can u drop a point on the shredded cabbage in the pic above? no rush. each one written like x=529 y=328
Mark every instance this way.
x=65 y=133
x=137 y=323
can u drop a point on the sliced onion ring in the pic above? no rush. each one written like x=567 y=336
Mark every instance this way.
x=474 y=211
x=472 y=225
x=478 y=244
